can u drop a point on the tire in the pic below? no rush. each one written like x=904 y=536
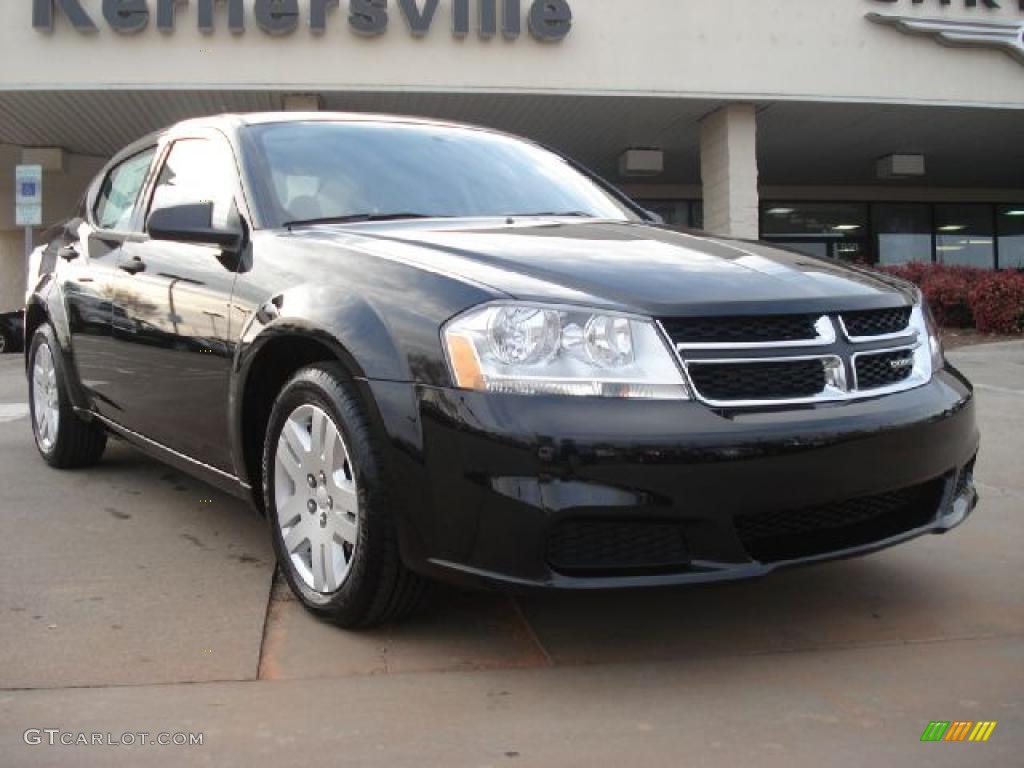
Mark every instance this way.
x=329 y=505
x=71 y=442
x=5 y=343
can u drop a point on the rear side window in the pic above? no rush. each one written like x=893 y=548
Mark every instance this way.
x=197 y=171
x=121 y=190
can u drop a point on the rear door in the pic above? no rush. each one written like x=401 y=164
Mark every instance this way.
x=89 y=275
x=170 y=326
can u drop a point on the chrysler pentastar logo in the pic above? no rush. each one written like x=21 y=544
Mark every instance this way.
x=1004 y=35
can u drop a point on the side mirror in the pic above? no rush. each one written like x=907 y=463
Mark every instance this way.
x=191 y=223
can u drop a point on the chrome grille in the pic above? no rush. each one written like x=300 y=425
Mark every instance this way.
x=883 y=369
x=768 y=360
x=875 y=323
x=741 y=330
x=759 y=380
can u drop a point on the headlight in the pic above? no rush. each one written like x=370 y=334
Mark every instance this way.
x=530 y=349
x=929 y=356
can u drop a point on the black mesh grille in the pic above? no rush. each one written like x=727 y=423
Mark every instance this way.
x=740 y=330
x=759 y=381
x=877 y=322
x=884 y=369
x=802 y=533
x=608 y=547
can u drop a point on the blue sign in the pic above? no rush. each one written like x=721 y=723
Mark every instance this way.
x=28 y=201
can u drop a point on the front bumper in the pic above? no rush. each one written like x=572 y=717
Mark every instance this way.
x=491 y=484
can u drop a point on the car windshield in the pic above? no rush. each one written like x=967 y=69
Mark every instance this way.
x=361 y=171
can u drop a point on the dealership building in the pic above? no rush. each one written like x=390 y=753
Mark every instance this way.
x=881 y=131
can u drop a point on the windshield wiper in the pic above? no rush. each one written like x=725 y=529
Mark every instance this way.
x=360 y=217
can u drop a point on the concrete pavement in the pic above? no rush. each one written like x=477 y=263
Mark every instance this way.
x=842 y=664
x=126 y=573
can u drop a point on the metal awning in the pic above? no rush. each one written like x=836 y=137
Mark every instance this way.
x=799 y=143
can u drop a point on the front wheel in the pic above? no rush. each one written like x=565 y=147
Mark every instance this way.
x=329 y=506
x=63 y=438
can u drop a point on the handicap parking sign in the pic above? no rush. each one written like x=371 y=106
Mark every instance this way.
x=28 y=202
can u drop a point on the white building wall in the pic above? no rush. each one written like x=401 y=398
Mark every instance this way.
x=61 y=194
x=733 y=49
x=727 y=50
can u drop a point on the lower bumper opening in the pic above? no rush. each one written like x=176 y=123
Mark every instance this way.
x=965 y=479
x=613 y=548
x=794 y=534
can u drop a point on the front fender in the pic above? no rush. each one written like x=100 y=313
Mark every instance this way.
x=46 y=304
x=348 y=327
x=346 y=324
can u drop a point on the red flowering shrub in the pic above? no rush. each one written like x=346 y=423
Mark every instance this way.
x=915 y=271
x=967 y=297
x=947 y=289
x=948 y=295
x=998 y=303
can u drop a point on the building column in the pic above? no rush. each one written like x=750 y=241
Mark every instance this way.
x=12 y=269
x=728 y=169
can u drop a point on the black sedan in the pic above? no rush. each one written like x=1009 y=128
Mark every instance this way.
x=431 y=351
x=11 y=330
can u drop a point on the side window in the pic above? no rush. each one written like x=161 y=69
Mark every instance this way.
x=120 y=191
x=196 y=171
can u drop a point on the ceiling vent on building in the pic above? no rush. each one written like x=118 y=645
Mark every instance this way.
x=301 y=102
x=900 y=166
x=642 y=162
x=50 y=158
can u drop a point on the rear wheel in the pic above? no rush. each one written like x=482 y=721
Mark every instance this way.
x=63 y=438
x=329 y=506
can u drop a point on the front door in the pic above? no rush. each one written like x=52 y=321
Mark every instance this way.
x=171 y=322
x=88 y=254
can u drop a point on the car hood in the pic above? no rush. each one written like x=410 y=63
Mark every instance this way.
x=652 y=270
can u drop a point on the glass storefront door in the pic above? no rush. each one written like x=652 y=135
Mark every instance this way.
x=826 y=230
x=903 y=232
x=848 y=250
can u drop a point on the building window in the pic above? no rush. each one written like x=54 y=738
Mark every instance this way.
x=963 y=235
x=971 y=234
x=834 y=230
x=903 y=232
x=1011 y=236
x=679 y=213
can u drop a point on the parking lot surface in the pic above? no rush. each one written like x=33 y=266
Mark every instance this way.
x=134 y=598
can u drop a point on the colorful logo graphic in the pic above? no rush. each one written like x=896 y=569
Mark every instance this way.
x=958 y=730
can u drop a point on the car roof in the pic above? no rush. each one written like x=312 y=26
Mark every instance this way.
x=230 y=122
x=237 y=120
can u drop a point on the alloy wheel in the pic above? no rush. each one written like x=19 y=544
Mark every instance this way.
x=315 y=495
x=45 y=398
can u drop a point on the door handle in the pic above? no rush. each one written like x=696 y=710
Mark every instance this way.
x=68 y=252
x=133 y=266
